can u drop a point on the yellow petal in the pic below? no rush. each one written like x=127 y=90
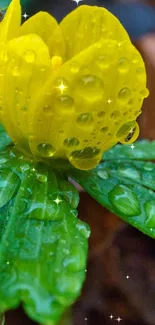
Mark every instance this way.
x=90 y=104
x=86 y=25
x=44 y=25
x=11 y=22
x=27 y=69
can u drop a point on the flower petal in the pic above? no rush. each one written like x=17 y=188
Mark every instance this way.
x=11 y=22
x=86 y=25
x=26 y=70
x=44 y=25
x=90 y=104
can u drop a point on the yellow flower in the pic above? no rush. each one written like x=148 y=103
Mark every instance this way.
x=71 y=90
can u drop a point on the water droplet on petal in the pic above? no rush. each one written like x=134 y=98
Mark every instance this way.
x=124 y=94
x=46 y=149
x=85 y=119
x=140 y=72
x=16 y=71
x=71 y=142
x=115 y=114
x=145 y=92
x=85 y=159
x=101 y=114
x=125 y=201
x=103 y=62
x=29 y=56
x=104 y=129
x=90 y=86
x=65 y=103
x=74 y=67
x=123 y=65
x=128 y=132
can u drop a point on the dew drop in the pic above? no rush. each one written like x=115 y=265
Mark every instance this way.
x=65 y=103
x=104 y=129
x=85 y=119
x=87 y=152
x=148 y=166
x=103 y=62
x=46 y=149
x=71 y=142
x=74 y=67
x=15 y=71
x=123 y=65
x=145 y=93
x=125 y=200
x=75 y=262
x=102 y=173
x=24 y=108
x=85 y=159
x=124 y=94
x=115 y=114
x=101 y=114
x=90 y=86
x=128 y=132
x=29 y=56
x=84 y=229
x=140 y=72
x=41 y=178
x=149 y=208
x=129 y=172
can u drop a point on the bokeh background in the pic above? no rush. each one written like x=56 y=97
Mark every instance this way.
x=121 y=264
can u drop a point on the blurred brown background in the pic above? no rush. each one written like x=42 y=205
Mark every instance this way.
x=121 y=266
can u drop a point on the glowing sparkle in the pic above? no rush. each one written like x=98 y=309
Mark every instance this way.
x=57 y=200
x=151 y=229
x=33 y=170
x=77 y=1
x=111 y=316
x=132 y=146
x=62 y=87
x=127 y=277
x=25 y=15
x=109 y=101
x=86 y=318
x=118 y=319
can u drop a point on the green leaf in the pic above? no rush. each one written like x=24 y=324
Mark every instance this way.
x=143 y=150
x=43 y=246
x=4 y=139
x=125 y=188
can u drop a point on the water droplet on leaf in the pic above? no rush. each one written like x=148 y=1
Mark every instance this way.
x=125 y=201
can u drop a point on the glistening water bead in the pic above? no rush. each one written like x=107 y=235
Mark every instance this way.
x=46 y=150
x=128 y=132
x=85 y=119
x=64 y=103
x=90 y=86
x=29 y=56
x=71 y=142
x=125 y=200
